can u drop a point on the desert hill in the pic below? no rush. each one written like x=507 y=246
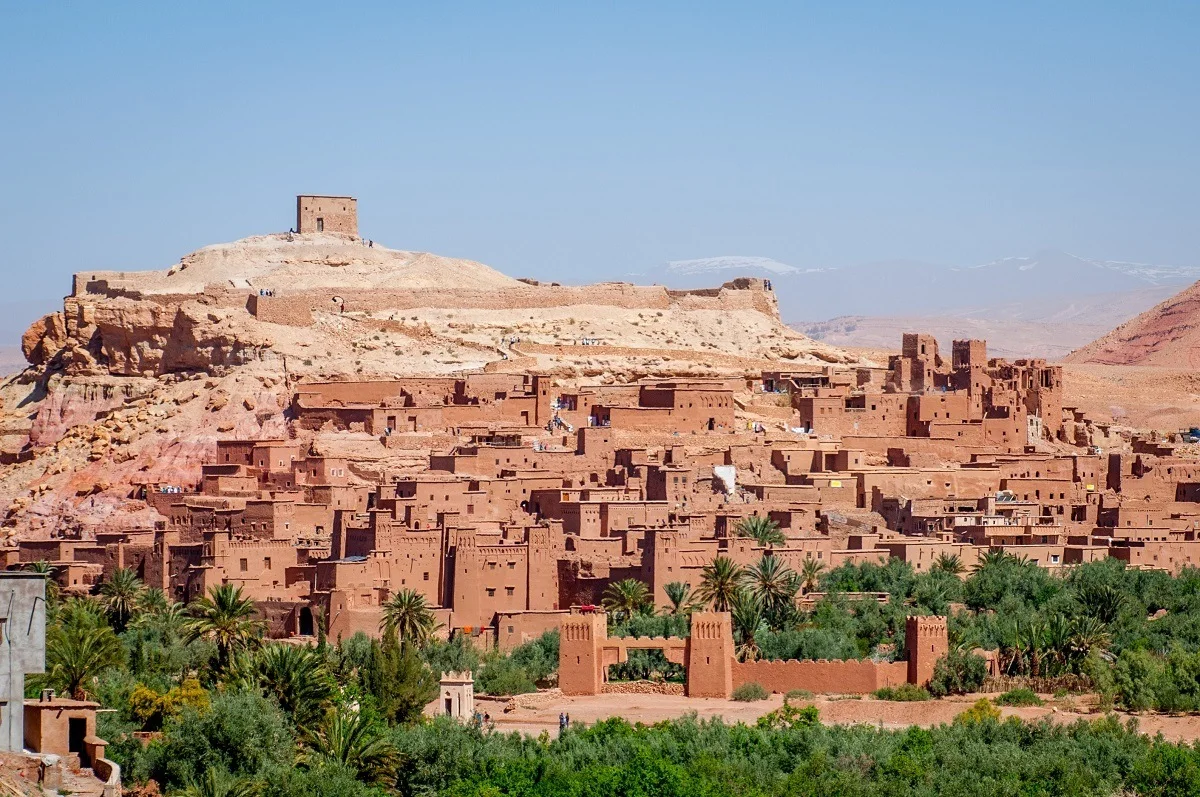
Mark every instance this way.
x=134 y=380
x=1167 y=335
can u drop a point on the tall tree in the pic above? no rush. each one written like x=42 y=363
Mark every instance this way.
x=77 y=651
x=228 y=620
x=747 y=618
x=720 y=581
x=120 y=595
x=772 y=582
x=623 y=599
x=682 y=599
x=764 y=531
x=810 y=573
x=398 y=680
x=297 y=677
x=408 y=615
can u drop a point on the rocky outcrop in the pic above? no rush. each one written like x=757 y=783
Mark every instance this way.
x=44 y=338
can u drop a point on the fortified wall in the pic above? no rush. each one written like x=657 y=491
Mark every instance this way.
x=586 y=651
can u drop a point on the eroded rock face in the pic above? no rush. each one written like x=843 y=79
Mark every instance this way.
x=44 y=338
x=122 y=337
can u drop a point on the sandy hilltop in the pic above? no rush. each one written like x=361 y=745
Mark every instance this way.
x=140 y=373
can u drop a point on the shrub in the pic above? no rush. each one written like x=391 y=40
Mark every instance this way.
x=798 y=694
x=1019 y=697
x=904 y=693
x=957 y=673
x=749 y=692
x=981 y=711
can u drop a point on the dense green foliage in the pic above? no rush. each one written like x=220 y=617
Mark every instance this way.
x=793 y=755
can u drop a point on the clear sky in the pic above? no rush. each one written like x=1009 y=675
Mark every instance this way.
x=586 y=140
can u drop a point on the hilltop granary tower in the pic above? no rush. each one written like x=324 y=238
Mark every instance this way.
x=327 y=214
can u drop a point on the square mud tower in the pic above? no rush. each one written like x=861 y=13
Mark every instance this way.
x=327 y=214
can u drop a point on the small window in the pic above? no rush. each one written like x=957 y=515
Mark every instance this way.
x=244 y=564
x=510 y=591
x=425 y=576
x=267 y=563
x=491 y=592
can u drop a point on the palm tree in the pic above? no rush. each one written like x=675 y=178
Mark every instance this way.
x=772 y=582
x=227 y=619
x=351 y=740
x=764 y=531
x=295 y=676
x=1102 y=601
x=77 y=652
x=720 y=581
x=810 y=573
x=152 y=601
x=747 y=618
x=949 y=563
x=407 y=614
x=216 y=782
x=1089 y=634
x=120 y=594
x=997 y=557
x=625 y=598
x=683 y=600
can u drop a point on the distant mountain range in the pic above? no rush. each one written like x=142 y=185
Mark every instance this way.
x=1041 y=305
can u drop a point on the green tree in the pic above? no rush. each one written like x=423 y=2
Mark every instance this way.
x=957 y=673
x=774 y=584
x=682 y=599
x=408 y=615
x=351 y=740
x=810 y=573
x=120 y=594
x=228 y=620
x=763 y=530
x=747 y=618
x=720 y=581
x=625 y=598
x=77 y=651
x=297 y=677
x=398 y=680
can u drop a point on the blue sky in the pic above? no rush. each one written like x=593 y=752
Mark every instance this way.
x=585 y=141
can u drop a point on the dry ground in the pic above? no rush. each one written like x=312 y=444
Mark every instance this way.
x=539 y=712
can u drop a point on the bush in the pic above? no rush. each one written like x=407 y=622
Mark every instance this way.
x=981 y=711
x=957 y=673
x=904 y=693
x=242 y=732
x=749 y=692
x=1019 y=697
x=798 y=694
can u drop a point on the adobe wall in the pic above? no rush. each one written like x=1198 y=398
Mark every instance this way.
x=849 y=677
x=296 y=308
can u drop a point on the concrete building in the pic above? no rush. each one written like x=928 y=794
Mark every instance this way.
x=22 y=648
